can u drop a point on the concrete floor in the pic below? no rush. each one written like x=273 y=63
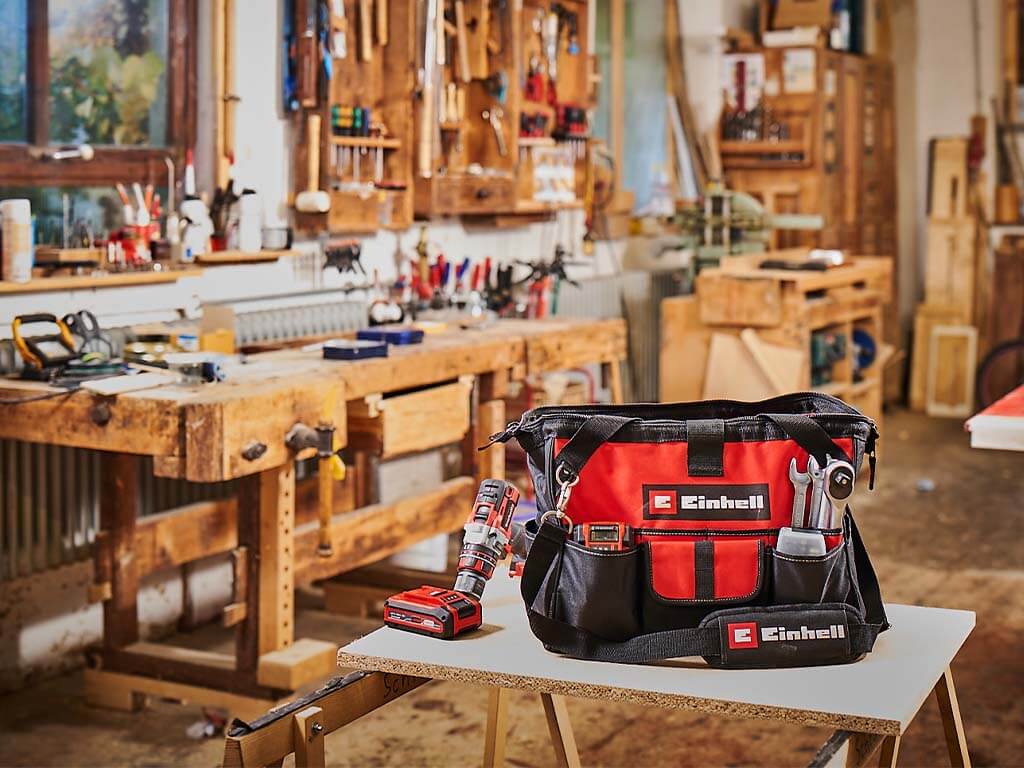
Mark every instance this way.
x=959 y=546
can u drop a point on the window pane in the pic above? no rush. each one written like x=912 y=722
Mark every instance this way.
x=96 y=210
x=13 y=66
x=108 y=71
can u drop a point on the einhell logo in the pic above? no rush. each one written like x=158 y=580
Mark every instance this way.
x=747 y=634
x=742 y=635
x=706 y=502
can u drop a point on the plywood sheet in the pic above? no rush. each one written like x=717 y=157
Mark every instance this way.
x=858 y=696
x=733 y=373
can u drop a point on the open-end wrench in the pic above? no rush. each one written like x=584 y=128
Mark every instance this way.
x=817 y=492
x=800 y=481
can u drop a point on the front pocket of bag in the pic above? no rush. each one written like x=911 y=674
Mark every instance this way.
x=599 y=592
x=715 y=572
x=811 y=579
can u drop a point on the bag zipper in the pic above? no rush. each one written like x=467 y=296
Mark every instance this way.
x=656 y=532
x=530 y=419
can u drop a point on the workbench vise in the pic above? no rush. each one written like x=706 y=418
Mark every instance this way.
x=330 y=467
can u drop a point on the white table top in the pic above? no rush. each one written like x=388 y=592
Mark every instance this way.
x=881 y=693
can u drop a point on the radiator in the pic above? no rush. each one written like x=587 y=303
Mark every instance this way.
x=636 y=296
x=49 y=503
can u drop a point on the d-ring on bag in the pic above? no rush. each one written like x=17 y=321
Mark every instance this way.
x=705 y=488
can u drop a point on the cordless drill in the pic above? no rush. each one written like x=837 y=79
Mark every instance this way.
x=448 y=613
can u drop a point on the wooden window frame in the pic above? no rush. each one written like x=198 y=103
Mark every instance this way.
x=20 y=164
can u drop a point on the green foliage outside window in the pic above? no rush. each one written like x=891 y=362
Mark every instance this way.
x=13 y=49
x=108 y=71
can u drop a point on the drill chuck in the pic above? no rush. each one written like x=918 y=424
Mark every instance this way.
x=470 y=583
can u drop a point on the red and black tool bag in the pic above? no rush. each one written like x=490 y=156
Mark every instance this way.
x=705 y=487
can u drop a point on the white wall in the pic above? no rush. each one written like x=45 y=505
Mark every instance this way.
x=945 y=78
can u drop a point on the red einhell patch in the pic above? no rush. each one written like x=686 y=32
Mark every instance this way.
x=706 y=502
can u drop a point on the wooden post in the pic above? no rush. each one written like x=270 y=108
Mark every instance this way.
x=266 y=527
x=491 y=460
x=309 y=738
x=618 y=87
x=952 y=723
x=119 y=504
x=560 y=728
x=612 y=373
x=889 y=752
x=497 y=728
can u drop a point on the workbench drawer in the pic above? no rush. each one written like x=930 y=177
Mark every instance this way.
x=392 y=425
x=473 y=194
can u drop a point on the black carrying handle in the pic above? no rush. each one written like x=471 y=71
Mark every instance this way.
x=705 y=438
x=565 y=638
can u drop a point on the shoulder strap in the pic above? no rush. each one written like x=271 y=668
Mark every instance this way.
x=867 y=581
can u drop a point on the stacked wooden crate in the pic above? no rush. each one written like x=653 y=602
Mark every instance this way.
x=747 y=333
x=945 y=331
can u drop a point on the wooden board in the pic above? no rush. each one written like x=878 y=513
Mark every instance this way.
x=243 y=257
x=685 y=344
x=90 y=282
x=740 y=301
x=733 y=373
x=418 y=421
x=925 y=317
x=303 y=662
x=952 y=358
x=372 y=533
x=950 y=267
x=856 y=696
x=349 y=699
x=119 y=691
x=785 y=367
x=947 y=178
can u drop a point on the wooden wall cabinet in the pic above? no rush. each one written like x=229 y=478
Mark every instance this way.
x=369 y=178
x=839 y=160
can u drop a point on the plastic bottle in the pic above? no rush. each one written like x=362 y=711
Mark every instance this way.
x=16 y=217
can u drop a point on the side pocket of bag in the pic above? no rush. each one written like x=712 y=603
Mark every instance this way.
x=599 y=592
x=811 y=579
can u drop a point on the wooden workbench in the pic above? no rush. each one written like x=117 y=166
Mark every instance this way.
x=448 y=389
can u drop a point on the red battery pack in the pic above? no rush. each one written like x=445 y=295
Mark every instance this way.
x=432 y=611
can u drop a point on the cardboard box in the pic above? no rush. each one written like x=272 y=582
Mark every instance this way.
x=802 y=13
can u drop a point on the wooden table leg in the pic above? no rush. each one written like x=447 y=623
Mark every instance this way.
x=266 y=525
x=309 y=738
x=497 y=727
x=560 y=728
x=952 y=723
x=119 y=508
x=889 y=752
x=491 y=460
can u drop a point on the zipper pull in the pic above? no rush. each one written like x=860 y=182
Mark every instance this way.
x=872 y=458
x=502 y=437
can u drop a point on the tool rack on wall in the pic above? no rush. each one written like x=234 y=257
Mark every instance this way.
x=554 y=132
x=484 y=130
x=466 y=109
x=366 y=143
x=509 y=130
